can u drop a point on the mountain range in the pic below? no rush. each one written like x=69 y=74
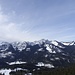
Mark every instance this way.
x=50 y=54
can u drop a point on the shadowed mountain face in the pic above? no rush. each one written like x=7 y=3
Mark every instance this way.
x=41 y=53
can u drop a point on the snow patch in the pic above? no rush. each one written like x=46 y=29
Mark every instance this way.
x=5 y=71
x=56 y=58
x=17 y=62
x=4 y=55
x=54 y=42
x=46 y=55
x=49 y=48
x=52 y=59
x=28 y=49
x=41 y=64
x=66 y=43
x=19 y=45
x=40 y=49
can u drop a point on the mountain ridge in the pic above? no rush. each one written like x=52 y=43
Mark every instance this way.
x=43 y=52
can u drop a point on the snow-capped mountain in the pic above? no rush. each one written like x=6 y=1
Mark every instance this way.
x=46 y=52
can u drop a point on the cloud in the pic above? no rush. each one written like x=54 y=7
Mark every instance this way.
x=10 y=31
x=40 y=20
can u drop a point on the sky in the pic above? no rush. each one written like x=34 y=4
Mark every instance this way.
x=30 y=20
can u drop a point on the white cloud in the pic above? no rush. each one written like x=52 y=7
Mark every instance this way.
x=10 y=31
x=45 y=22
